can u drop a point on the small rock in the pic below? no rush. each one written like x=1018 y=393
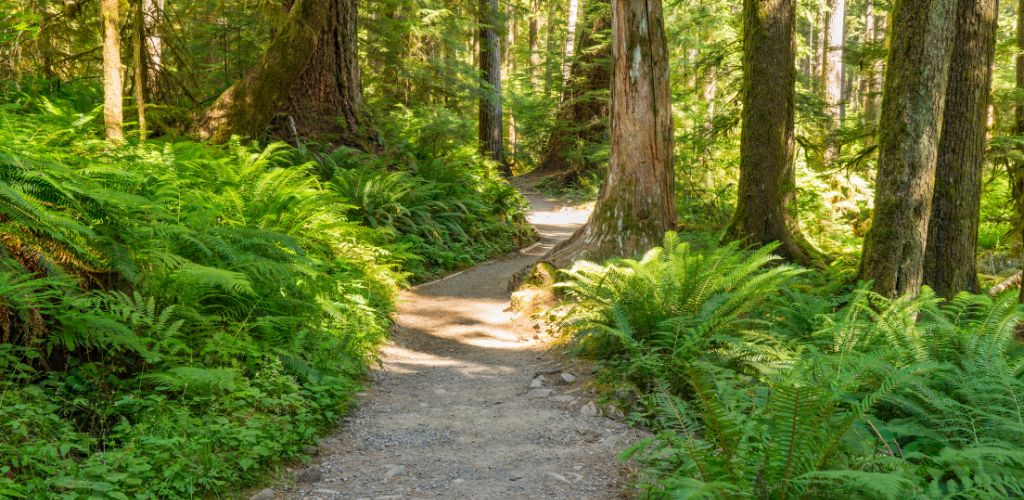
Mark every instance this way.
x=538 y=382
x=310 y=450
x=264 y=494
x=539 y=393
x=393 y=470
x=568 y=378
x=310 y=475
x=613 y=412
x=590 y=410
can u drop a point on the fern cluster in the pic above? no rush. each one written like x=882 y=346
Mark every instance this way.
x=756 y=385
x=175 y=317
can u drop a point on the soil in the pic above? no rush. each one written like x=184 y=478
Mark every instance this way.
x=451 y=412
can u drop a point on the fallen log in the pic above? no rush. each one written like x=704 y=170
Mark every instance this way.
x=1008 y=283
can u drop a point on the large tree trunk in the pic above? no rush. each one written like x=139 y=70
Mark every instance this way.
x=139 y=66
x=492 y=137
x=570 y=41
x=832 y=74
x=534 y=41
x=912 y=109
x=113 y=88
x=637 y=201
x=764 y=211
x=309 y=76
x=950 y=262
x=582 y=117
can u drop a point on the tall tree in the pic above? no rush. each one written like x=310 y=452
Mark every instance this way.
x=636 y=204
x=1017 y=176
x=139 y=66
x=310 y=74
x=767 y=184
x=869 y=82
x=582 y=117
x=834 y=42
x=153 y=15
x=113 y=87
x=570 y=40
x=534 y=41
x=912 y=110
x=950 y=262
x=492 y=137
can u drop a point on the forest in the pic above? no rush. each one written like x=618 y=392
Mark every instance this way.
x=797 y=271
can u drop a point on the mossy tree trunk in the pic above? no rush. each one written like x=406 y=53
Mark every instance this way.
x=637 y=201
x=582 y=117
x=308 y=83
x=492 y=136
x=950 y=262
x=764 y=211
x=113 y=86
x=832 y=67
x=913 y=100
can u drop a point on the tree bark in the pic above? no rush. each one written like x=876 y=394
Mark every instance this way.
x=1017 y=175
x=950 y=262
x=636 y=205
x=492 y=137
x=764 y=211
x=912 y=109
x=834 y=42
x=113 y=87
x=153 y=13
x=582 y=117
x=570 y=41
x=534 y=41
x=309 y=74
x=138 y=56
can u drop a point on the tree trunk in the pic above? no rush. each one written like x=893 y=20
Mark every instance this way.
x=636 y=205
x=582 y=117
x=309 y=75
x=153 y=14
x=950 y=261
x=138 y=56
x=113 y=88
x=764 y=211
x=534 y=41
x=492 y=138
x=912 y=109
x=1017 y=176
x=570 y=41
x=834 y=42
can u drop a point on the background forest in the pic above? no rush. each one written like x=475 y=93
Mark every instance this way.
x=207 y=209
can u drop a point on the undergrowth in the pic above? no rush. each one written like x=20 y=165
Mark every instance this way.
x=177 y=317
x=757 y=382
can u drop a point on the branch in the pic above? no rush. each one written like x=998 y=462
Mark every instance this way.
x=1008 y=283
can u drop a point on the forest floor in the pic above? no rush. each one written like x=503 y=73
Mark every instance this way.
x=451 y=412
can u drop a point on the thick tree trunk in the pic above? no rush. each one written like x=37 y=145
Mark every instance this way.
x=582 y=117
x=764 y=211
x=912 y=109
x=492 y=137
x=637 y=201
x=309 y=75
x=570 y=41
x=113 y=87
x=834 y=43
x=950 y=261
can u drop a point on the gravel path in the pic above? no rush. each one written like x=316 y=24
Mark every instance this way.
x=451 y=412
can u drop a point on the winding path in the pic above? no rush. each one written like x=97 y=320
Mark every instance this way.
x=451 y=413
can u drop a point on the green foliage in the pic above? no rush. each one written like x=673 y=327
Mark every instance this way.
x=758 y=386
x=175 y=318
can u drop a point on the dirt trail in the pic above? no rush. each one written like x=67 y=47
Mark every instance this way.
x=451 y=413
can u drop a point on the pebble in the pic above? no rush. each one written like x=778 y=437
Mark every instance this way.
x=310 y=475
x=568 y=378
x=538 y=382
x=393 y=470
x=539 y=393
x=264 y=494
x=590 y=410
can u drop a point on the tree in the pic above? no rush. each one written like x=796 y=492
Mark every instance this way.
x=834 y=42
x=113 y=88
x=153 y=14
x=534 y=40
x=309 y=74
x=582 y=116
x=570 y=41
x=912 y=109
x=138 y=60
x=1017 y=177
x=950 y=261
x=767 y=178
x=492 y=136
x=636 y=204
